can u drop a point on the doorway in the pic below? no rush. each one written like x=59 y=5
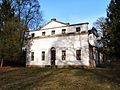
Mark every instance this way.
x=53 y=56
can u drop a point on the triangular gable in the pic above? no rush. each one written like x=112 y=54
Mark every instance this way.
x=53 y=24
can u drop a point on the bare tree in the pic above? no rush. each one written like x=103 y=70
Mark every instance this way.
x=28 y=11
x=100 y=23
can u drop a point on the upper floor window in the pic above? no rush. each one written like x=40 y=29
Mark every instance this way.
x=33 y=34
x=32 y=56
x=63 y=54
x=43 y=55
x=78 y=54
x=43 y=33
x=53 y=32
x=63 y=31
x=77 y=29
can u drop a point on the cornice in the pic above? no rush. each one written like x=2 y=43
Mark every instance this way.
x=60 y=35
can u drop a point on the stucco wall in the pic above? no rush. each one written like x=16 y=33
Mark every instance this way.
x=58 y=30
x=70 y=43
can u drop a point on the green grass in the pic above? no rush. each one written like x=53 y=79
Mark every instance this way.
x=58 y=79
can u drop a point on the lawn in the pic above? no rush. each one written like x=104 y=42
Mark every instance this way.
x=58 y=79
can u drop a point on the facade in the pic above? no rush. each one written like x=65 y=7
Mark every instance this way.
x=60 y=44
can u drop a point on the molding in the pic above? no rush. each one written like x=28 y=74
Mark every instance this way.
x=67 y=25
x=61 y=35
x=48 y=28
x=78 y=24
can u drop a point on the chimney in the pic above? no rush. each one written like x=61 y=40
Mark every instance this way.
x=53 y=19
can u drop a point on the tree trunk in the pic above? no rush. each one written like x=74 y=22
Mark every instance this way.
x=1 y=63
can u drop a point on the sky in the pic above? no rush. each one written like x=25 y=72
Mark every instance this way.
x=74 y=11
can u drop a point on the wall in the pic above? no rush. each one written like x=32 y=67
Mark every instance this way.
x=70 y=43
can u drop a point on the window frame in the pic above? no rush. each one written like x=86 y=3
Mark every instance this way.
x=78 y=54
x=63 y=31
x=32 y=35
x=63 y=54
x=53 y=32
x=43 y=56
x=78 y=29
x=43 y=33
x=32 y=56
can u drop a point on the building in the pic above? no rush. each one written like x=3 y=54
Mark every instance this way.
x=61 y=44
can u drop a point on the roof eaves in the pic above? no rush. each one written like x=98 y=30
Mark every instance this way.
x=79 y=24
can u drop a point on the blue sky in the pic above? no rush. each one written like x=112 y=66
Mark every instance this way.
x=74 y=11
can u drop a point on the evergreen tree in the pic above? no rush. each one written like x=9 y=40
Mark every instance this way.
x=11 y=34
x=113 y=28
x=16 y=16
x=6 y=13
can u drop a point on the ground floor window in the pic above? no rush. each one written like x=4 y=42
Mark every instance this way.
x=78 y=54
x=63 y=54
x=43 y=55
x=32 y=56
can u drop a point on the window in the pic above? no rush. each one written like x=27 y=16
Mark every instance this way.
x=63 y=54
x=63 y=31
x=32 y=56
x=43 y=33
x=53 y=32
x=33 y=34
x=78 y=54
x=43 y=55
x=77 y=29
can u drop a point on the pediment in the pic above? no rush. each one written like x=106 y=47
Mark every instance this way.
x=53 y=24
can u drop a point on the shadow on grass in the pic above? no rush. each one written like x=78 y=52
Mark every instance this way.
x=23 y=78
x=102 y=74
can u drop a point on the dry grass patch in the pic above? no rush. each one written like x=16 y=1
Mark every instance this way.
x=58 y=79
x=77 y=79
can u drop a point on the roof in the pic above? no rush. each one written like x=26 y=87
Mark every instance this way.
x=79 y=24
x=65 y=24
x=54 y=19
x=94 y=31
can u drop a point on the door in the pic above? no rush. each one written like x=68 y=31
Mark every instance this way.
x=53 y=56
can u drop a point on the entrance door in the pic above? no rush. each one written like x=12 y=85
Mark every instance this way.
x=53 y=56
